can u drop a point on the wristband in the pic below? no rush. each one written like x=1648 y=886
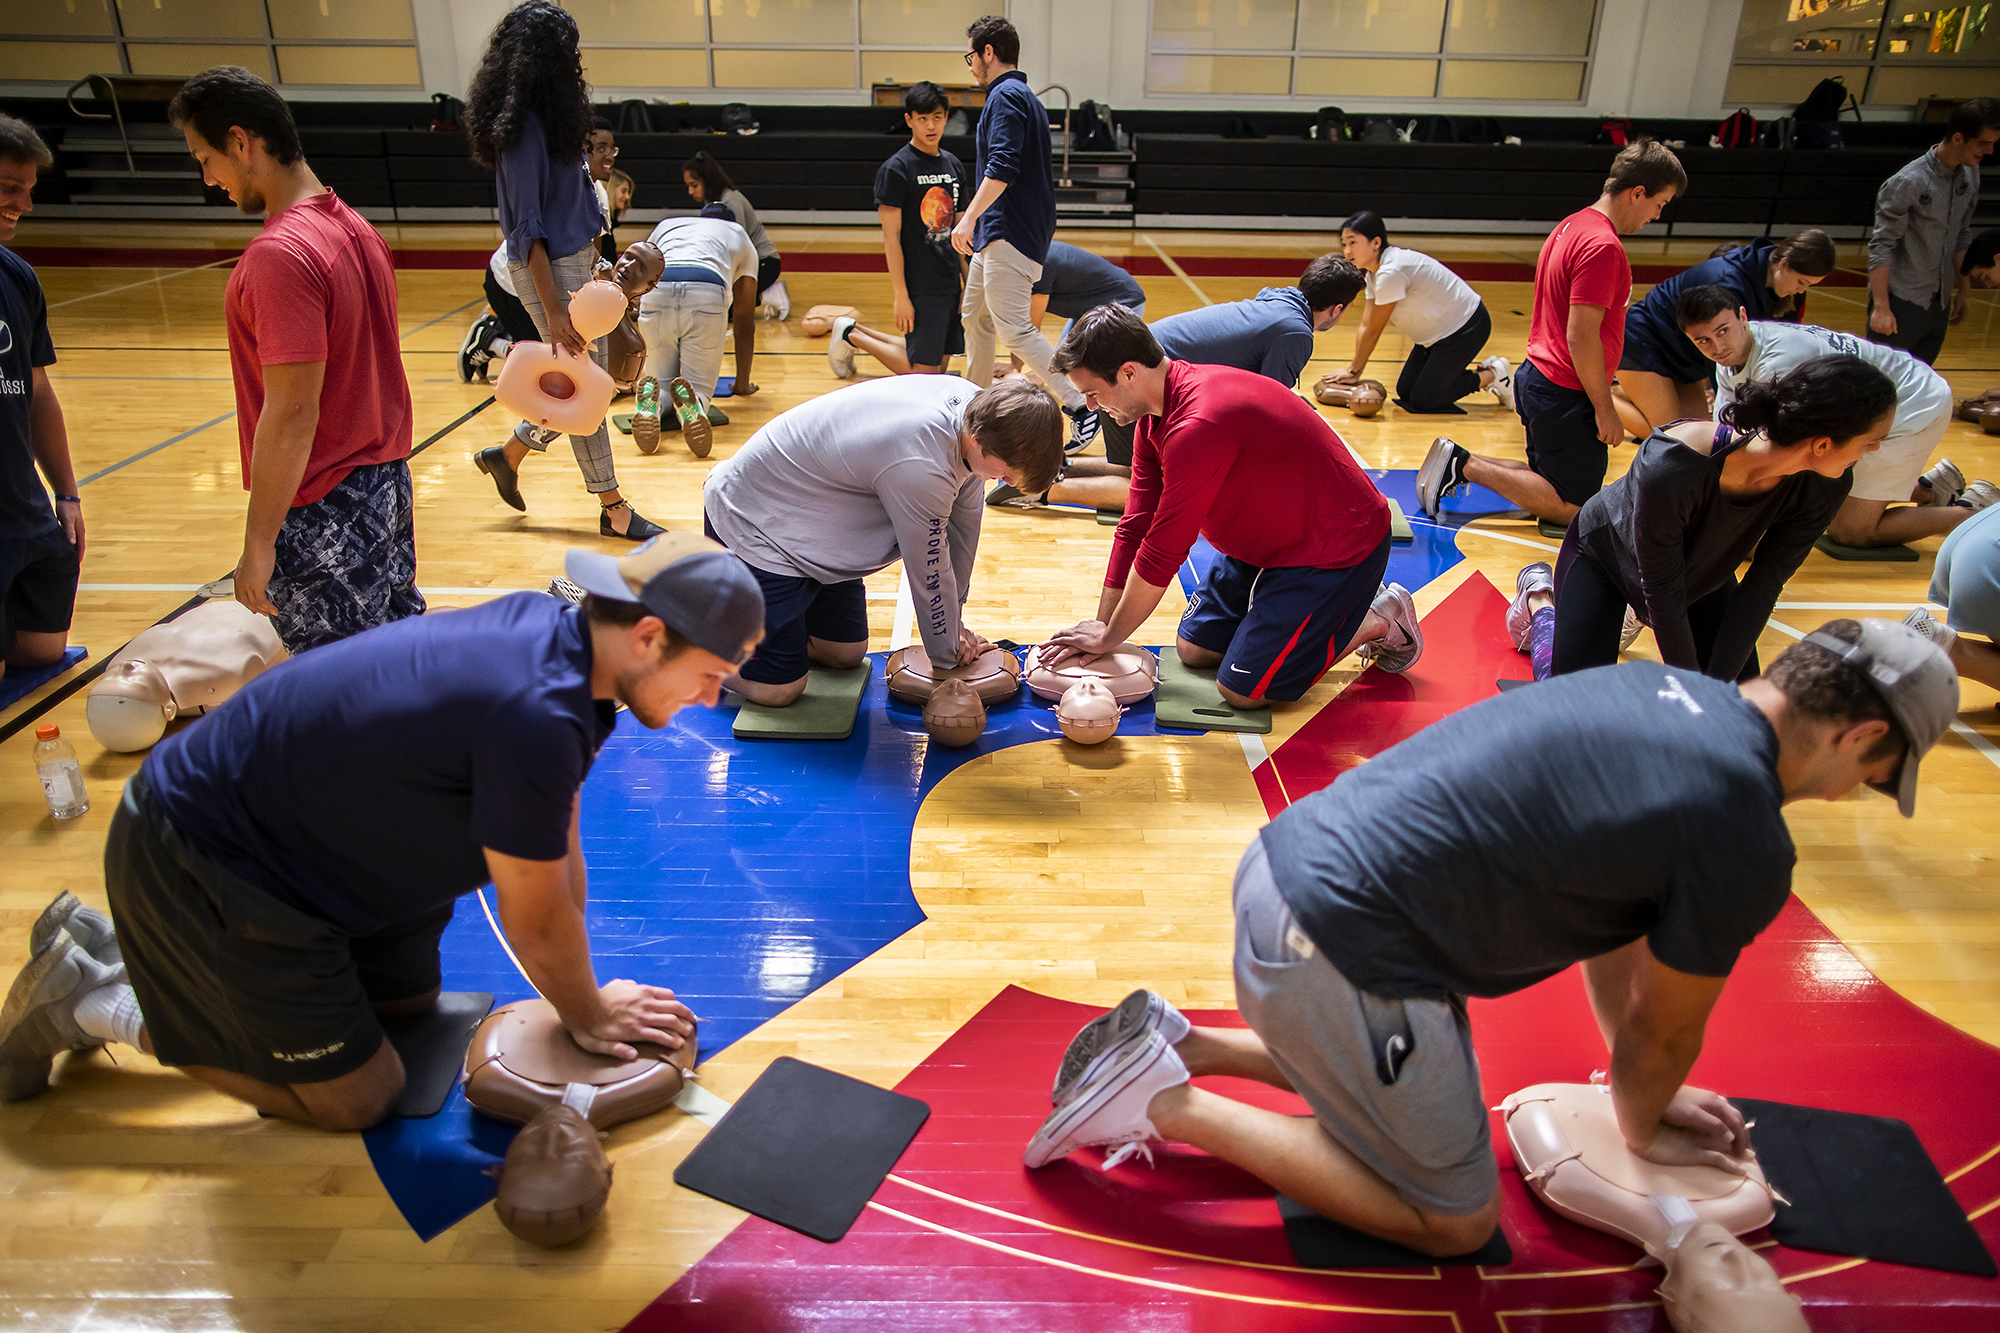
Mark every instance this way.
x=73 y=499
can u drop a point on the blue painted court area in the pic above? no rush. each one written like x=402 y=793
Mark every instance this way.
x=745 y=875
x=19 y=683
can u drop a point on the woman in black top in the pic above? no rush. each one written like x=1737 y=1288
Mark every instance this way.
x=1701 y=497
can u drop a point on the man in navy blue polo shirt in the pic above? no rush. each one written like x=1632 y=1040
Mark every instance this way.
x=280 y=872
x=40 y=549
x=1011 y=220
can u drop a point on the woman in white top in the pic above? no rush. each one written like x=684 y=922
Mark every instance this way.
x=708 y=183
x=1444 y=320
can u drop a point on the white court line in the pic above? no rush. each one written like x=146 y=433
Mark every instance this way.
x=112 y=291
x=1178 y=271
x=1486 y=532
x=903 y=629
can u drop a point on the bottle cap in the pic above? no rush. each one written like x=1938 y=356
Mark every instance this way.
x=48 y=731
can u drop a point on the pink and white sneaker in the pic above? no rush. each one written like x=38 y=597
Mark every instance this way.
x=1109 y=1108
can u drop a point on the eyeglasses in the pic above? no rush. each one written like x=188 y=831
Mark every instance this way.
x=611 y=149
x=968 y=59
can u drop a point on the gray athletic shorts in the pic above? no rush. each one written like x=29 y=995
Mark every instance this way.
x=1427 y=1133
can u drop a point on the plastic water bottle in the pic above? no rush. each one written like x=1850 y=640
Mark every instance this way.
x=61 y=775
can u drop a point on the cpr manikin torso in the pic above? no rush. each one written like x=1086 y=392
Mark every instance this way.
x=546 y=386
x=994 y=675
x=1128 y=671
x=521 y=1061
x=180 y=669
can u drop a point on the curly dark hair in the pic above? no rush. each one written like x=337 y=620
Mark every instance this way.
x=531 y=67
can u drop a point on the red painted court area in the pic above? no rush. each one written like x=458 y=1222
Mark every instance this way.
x=963 y=1237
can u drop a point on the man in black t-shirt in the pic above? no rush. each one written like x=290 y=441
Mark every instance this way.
x=919 y=193
x=1626 y=818
x=41 y=549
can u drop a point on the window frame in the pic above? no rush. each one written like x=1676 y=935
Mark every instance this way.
x=1879 y=59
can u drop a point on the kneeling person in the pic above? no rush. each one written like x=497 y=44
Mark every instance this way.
x=280 y=873
x=1476 y=859
x=844 y=486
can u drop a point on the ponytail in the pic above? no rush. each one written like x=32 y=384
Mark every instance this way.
x=1837 y=397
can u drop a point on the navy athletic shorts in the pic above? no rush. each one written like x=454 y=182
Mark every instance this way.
x=797 y=610
x=1561 y=425
x=1278 y=630
x=938 y=332
x=37 y=586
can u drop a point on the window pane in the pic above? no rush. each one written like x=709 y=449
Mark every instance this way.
x=785 y=69
x=1224 y=25
x=809 y=21
x=1521 y=27
x=906 y=67
x=1371 y=25
x=364 y=20
x=194 y=18
x=1218 y=74
x=67 y=61
x=349 y=64
x=641 y=21
x=1830 y=29
x=1784 y=83
x=626 y=68
x=1901 y=85
x=1966 y=33
x=56 y=18
x=922 y=22
x=1367 y=78
x=174 y=58
x=1519 y=80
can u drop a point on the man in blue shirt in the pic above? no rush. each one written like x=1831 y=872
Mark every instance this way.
x=40 y=549
x=280 y=872
x=1007 y=227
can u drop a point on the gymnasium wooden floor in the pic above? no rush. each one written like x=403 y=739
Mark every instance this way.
x=133 y=1198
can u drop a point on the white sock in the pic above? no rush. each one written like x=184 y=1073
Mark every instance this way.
x=500 y=346
x=111 y=1013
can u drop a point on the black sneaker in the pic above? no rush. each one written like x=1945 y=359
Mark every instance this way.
x=1442 y=473
x=472 y=353
x=1005 y=495
x=1083 y=429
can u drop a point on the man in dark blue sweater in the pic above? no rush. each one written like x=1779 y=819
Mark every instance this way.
x=1012 y=218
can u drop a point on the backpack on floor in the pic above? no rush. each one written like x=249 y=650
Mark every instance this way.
x=1331 y=125
x=1826 y=101
x=1378 y=129
x=634 y=118
x=1738 y=131
x=1091 y=130
x=1616 y=131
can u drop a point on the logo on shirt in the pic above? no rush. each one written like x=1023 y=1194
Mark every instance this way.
x=1677 y=692
x=6 y=338
x=936 y=210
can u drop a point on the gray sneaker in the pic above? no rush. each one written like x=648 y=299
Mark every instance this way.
x=1107 y=1038
x=1005 y=495
x=86 y=925
x=1923 y=622
x=1945 y=483
x=38 y=1022
x=1978 y=495
x=1398 y=650
x=1532 y=579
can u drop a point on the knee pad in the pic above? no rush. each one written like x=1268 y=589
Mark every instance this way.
x=522 y=1061
x=1128 y=671
x=994 y=675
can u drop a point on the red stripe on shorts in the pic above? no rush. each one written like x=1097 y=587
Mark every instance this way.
x=1290 y=644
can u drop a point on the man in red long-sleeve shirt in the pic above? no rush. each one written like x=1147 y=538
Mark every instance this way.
x=1303 y=533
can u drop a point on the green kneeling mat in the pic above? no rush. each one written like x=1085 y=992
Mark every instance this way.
x=715 y=417
x=1553 y=531
x=825 y=712
x=1900 y=555
x=623 y=421
x=1188 y=698
x=1108 y=518
x=1400 y=533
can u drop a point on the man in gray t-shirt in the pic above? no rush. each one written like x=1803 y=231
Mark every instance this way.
x=844 y=486
x=1923 y=227
x=1626 y=818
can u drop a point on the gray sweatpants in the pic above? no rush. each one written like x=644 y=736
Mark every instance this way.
x=1427 y=1133
x=593 y=452
x=998 y=303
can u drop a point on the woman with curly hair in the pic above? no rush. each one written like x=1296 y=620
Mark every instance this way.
x=529 y=118
x=708 y=183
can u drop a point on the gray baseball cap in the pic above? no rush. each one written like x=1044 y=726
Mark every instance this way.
x=698 y=588
x=1916 y=680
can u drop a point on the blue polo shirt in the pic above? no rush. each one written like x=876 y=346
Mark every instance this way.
x=1013 y=142
x=541 y=198
x=24 y=345
x=359 y=782
x=1076 y=281
x=1271 y=334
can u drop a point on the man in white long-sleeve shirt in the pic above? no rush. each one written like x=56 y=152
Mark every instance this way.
x=844 y=486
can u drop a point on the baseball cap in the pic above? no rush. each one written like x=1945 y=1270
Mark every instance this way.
x=700 y=590
x=1916 y=680
x=719 y=210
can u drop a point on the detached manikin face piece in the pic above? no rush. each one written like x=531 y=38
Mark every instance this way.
x=182 y=668
x=1088 y=713
x=955 y=715
x=552 y=389
x=555 y=1179
x=1717 y=1284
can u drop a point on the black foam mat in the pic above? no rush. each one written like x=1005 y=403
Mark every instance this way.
x=805 y=1148
x=1861 y=1185
x=1321 y=1242
x=432 y=1045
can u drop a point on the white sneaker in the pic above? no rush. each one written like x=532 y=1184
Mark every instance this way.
x=1532 y=579
x=839 y=351
x=1109 y=1109
x=778 y=300
x=1502 y=386
x=1443 y=472
x=1106 y=1039
x=1945 y=483
x=1923 y=622
x=1978 y=495
x=1630 y=630
x=1398 y=650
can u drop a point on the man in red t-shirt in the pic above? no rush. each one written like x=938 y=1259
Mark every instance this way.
x=1303 y=534
x=322 y=404
x=1575 y=340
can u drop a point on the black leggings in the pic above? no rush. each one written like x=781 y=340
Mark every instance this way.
x=513 y=315
x=1590 y=616
x=1436 y=377
x=767 y=272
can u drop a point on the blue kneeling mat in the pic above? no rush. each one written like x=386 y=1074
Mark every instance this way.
x=804 y=1147
x=432 y=1045
x=1321 y=1242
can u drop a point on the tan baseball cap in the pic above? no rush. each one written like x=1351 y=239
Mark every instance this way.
x=697 y=587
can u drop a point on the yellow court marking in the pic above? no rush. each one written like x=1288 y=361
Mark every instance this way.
x=1178 y=271
x=131 y=286
x=1504 y=1315
x=1431 y=1275
x=1822 y=1272
x=1278 y=1301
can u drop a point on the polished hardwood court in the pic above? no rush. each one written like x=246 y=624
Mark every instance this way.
x=132 y=1197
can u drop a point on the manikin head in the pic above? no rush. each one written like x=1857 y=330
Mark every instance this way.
x=1716 y=324
x=129 y=707
x=602 y=155
x=22 y=156
x=1645 y=177
x=1970 y=132
x=1012 y=432
x=925 y=111
x=240 y=132
x=1114 y=361
x=554 y=1180
x=1330 y=284
x=1825 y=413
x=1717 y=1284
x=992 y=48
x=638 y=269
